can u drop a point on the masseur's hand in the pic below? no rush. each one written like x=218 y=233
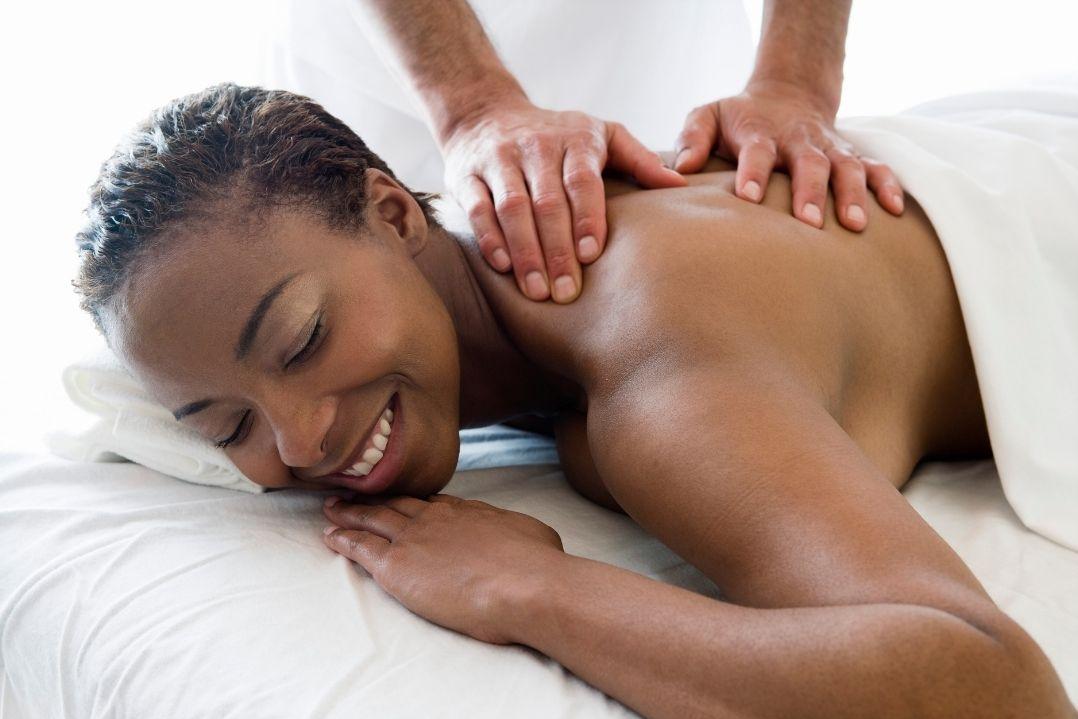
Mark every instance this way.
x=777 y=125
x=456 y=562
x=530 y=181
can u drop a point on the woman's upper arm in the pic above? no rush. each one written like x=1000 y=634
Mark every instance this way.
x=749 y=478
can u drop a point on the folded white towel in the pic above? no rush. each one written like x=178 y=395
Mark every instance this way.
x=133 y=426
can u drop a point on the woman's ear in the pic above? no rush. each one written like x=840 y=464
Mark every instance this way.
x=394 y=207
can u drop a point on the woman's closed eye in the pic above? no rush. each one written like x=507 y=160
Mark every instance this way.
x=308 y=349
x=235 y=435
x=309 y=346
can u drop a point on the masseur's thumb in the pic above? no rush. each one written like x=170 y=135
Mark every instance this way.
x=699 y=135
x=627 y=154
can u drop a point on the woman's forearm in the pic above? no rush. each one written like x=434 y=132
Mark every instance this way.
x=445 y=57
x=667 y=652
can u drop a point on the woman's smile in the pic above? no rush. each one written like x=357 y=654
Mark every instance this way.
x=376 y=462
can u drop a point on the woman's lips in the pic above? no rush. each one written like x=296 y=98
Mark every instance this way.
x=387 y=468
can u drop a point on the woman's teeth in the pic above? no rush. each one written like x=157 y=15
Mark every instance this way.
x=374 y=453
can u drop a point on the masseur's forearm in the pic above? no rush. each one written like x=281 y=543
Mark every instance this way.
x=804 y=43
x=441 y=50
x=667 y=652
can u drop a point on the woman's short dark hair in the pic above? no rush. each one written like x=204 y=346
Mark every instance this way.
x=259 y=148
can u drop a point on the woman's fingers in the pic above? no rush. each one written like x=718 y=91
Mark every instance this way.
x=408 y=506
x=364 y=548
x=884 y=184
x=474 y=196
x=553 y=219
x=809 y=172
x=378 y=518
x=848 y=181
x=582 y=177
x=446 y=498
x=698 y=136
x=513 y=205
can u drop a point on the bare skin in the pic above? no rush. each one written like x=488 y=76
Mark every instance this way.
x=749 y=389
x=875 y=330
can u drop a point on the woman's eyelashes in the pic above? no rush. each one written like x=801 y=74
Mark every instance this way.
x=235 y=435
x=309 y=346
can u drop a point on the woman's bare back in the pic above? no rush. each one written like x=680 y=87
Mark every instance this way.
x=869 y=321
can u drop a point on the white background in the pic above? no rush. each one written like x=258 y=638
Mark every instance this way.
x=75 y=75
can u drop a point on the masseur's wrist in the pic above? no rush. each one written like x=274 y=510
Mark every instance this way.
x=822 y=94
x=465 y=103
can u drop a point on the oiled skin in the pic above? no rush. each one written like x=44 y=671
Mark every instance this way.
x=869 y=320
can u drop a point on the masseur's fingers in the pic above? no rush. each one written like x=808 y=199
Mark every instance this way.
x=848 y=181
x=882 y=181
x=513 y=205
x=474 y=196
x=377 y=518
x=755 y=161
x=809 y=172
x=627 y=154
x=697 y=138
x=553 y=220
x=582 y=176
x=364 y=548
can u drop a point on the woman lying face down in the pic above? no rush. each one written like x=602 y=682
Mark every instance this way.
x=749 y=389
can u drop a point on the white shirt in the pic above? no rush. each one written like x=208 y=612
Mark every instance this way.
x=643 y=63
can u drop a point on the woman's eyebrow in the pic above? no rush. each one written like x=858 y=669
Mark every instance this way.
x=250 y=330
x=246 y=340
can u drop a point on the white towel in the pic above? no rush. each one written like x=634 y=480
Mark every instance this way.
x=997 y=174
x=133 y=426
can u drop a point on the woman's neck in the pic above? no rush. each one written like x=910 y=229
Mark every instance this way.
x=497 y=381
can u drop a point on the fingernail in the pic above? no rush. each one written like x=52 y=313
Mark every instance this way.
x=897 y=197
x=752 y=190
x=812 y=213
x=535 y=285
x=501 y=259
x=330 y=501
x=677 y=160
x=328 y=530
x=589 y=248
x=855 y=214
x=564 y=288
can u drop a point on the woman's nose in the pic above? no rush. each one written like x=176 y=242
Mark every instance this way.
x=302 y=432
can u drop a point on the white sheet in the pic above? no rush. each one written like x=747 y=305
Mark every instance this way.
x=997 y=174
x=125 y=593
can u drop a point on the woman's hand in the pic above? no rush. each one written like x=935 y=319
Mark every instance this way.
x=457 y=562
x=777 y=125
x=531 y=182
